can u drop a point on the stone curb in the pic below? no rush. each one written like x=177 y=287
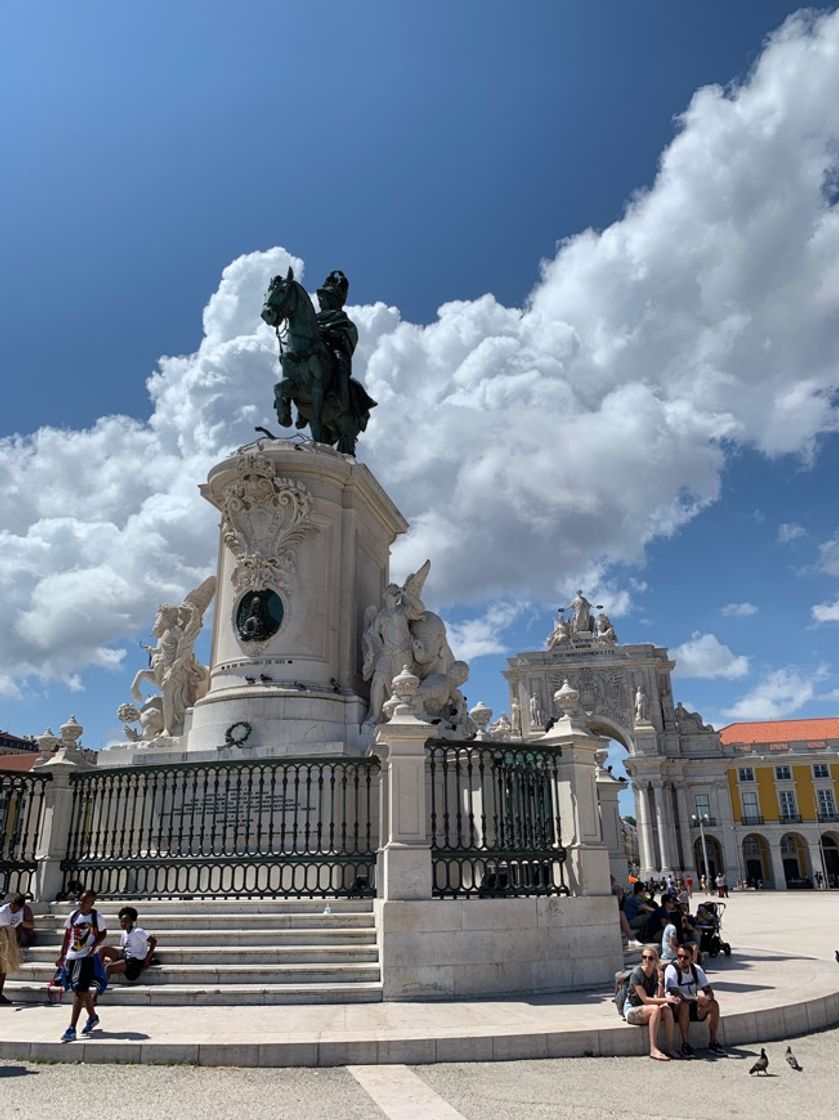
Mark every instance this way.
x=419 y=1048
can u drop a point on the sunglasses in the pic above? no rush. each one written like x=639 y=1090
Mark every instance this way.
x=647 y=957
x=683 y=956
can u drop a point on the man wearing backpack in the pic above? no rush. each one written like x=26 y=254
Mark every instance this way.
x=83 y=931
x=696 y=1003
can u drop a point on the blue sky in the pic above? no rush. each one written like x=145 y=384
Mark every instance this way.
x=436 y=153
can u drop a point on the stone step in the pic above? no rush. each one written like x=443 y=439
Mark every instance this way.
x=50 y=939
x=219 y=921
x=224 y=905
x=230 y=975
x=227 y=955
x=196 y=995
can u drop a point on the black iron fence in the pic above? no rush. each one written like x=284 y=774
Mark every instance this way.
x=299 y=828
x=21 y=817
x=495 y=828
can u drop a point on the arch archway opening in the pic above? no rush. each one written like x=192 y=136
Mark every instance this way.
x=715 y=862
x=829 y=842
x=757 y=861
x=795 y=857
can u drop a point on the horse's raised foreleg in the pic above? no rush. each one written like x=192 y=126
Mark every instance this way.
x=282 y=402
x=316 y=417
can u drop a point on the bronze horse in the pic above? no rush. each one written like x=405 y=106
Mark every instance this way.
x=310 y=371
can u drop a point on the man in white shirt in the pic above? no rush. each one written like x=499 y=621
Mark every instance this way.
x=136 y=948
x=12 y=916
x=688 y=982
x=83 y=931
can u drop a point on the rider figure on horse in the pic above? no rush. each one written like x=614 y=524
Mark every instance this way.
x=337 y=330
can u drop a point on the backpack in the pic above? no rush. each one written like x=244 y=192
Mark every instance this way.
x=693 y=973
x=621 y=989
x=94 y=913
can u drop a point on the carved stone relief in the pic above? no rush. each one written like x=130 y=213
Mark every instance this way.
x=604 y=692
x=264 y=519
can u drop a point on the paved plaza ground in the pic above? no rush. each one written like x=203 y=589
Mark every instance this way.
x=772 y=934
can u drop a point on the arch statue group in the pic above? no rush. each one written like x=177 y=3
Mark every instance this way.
x=626 y=694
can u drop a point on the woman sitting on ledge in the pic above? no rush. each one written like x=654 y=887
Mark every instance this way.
x=647 y=1003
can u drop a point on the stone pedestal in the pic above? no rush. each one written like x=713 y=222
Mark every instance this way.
x=304 y=550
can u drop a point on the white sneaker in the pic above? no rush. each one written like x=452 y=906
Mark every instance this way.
x=634 y=944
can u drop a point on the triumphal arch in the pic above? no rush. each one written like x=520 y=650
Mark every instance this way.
x=626 y=694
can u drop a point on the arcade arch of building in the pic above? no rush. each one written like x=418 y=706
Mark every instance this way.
x=679 y=767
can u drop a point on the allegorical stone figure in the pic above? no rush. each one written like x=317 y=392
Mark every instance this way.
x=642 y=706
x=581 y=607
x=402 y=632
x=560 y=635
x=604 y=630
x=174 y=669
x=536 y=719
x=515 y=716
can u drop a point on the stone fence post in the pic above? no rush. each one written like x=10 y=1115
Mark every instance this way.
x=608 y=791
x=587 y=857
x=55 y=829
x=405 y=857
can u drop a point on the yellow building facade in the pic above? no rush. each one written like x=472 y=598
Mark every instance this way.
x=783 y=789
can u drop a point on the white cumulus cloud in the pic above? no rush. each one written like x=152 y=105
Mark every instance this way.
x=530 y=447
x=825 y=612
x=790 y=531
x=482 y=635
x=738 y=610
x=706 y=656
x=829 y=556
x=781 y=693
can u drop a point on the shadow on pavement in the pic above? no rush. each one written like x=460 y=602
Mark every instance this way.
x=121 y=1036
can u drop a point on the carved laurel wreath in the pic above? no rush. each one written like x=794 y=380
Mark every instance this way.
x=237 y=734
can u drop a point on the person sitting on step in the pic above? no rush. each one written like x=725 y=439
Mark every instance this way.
x=136 y=948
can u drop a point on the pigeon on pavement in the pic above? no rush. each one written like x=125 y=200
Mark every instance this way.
x=792 y=1061
x=836 y=954
x=761 y=1065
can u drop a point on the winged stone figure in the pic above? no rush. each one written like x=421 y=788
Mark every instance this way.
x=387 y=641
x=174 y=670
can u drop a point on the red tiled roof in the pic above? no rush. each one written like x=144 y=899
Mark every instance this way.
x=18 y=761
x=780 y=731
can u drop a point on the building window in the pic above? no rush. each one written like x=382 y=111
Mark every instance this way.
x=746 y=774
x=820 y=770
x=750 y=808
x=827 y=805
x=787 y=799
x=751 y=847
x=703 y=804
x=788 y=847
x=782 y=773
x=751 y=813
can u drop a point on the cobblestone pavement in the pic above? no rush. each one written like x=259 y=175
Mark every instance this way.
x=583 y=1088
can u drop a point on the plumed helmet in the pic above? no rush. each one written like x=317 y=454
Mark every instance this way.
x=337 y=283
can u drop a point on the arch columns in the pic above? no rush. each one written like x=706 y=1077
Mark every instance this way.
x=778 y=872
x=645 y=837
x=666 y=839
x=684 y=828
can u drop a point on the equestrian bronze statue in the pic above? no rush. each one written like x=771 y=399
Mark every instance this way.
x=316 y=352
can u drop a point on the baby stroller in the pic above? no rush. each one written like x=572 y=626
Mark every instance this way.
x=709 y=920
